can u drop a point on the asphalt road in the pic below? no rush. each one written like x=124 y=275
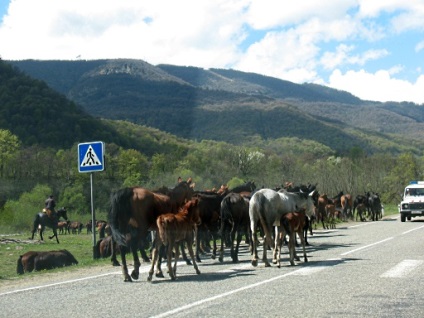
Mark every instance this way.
x=373 y=269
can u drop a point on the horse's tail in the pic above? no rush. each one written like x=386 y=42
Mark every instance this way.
x=261 y=202
x=162 y=231
x=119 y=214
x=226 y=214
x=20 y=266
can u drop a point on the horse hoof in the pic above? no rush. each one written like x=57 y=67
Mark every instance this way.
x=188 y=262
x=197 y=272
x=267 y=265
x=160 y=275
x=134 y=275
x=255 y=263
x=128 y=279
x=149 y=278
x=213 y=256
x=116 y=263
x=221 y=259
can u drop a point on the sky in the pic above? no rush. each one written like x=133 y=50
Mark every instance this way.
x=373 y=49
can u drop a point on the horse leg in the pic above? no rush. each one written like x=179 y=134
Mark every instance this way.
x=264 y=251
x=302 y=240
x=142 y=248
x=236 y=250
x=169 y=260
x=214 y=238
x=134 y=249
x=113 y=247
x=276 y=246
x=254 y=240
x=190 y=251
x=198 y=238
x=292 y=248
x=41 y=232
x=155 y=258
x=55 y=235
x=183 y=253
x=162 y=251
x=124 y=267
x=221 y=252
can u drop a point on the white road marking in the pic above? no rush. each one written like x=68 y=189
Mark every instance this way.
x=358 y=225
x=367 y=246
x=59 y=283
x=231 y=292
x=403 y=268
x=417 y=228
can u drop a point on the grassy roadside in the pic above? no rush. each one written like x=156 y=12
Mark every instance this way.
x=80 y=245
x=12 y=246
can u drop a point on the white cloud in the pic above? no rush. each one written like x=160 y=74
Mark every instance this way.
x=419 y=46
x=378 y=86
x=297 y=39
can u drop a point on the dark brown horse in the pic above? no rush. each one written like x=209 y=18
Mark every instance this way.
x=172 y=230
x=234 y=219
x=43 y=220
x=134 y=211
x=36 y=261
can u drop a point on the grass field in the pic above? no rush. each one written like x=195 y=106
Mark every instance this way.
x=80 y=245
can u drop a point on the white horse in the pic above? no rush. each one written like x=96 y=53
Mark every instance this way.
x=267 y=207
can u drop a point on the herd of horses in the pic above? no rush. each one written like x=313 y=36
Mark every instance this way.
x=180 y=216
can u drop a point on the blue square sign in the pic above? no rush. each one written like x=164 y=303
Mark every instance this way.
x=91 y=156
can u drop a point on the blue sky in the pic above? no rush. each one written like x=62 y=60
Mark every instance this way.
x=371 y=48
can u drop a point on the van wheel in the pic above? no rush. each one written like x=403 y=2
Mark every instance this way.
x=402 y=217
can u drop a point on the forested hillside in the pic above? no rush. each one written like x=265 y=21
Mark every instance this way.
x=39 y=115
x=269 y=140
x=231 y=106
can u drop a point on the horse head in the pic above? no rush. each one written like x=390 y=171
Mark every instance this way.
x=62 y=213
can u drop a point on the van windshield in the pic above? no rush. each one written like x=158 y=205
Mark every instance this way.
x=414 y=191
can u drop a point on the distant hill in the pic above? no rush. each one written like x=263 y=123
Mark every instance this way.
x=229 y=105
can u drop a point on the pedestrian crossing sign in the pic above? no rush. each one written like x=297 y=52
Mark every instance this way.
x=91 y=156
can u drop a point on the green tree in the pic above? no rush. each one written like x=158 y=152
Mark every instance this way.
x=9 y=146
x=23 y=210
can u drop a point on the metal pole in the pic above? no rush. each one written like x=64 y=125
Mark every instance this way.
x=93 y=218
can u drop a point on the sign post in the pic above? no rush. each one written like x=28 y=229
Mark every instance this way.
x=91 y=159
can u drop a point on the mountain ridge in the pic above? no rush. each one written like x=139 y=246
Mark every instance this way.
x=227 y=105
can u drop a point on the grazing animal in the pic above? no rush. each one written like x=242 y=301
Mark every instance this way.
x=172 y=229
x=234 y=219
x=322 y=215
x=293 y=223
x=62 y=227
x=332 y=214
x=248 y=186
x=36 y=261
x=375 y=206
x=361 y=209
x=42 y=220
x=210 y=213
x=363 y=201
x=267 y=207
x=134 y=211
x=75 y=227
x=346 y=203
